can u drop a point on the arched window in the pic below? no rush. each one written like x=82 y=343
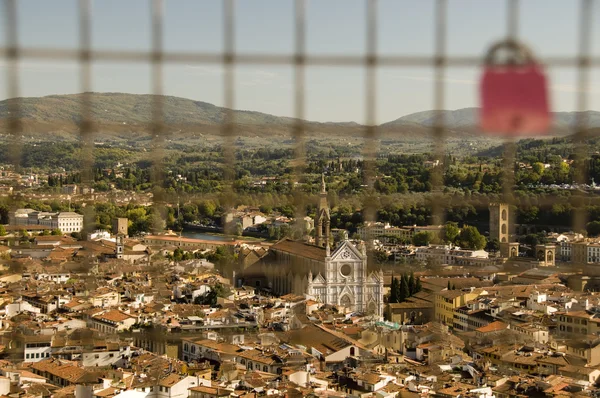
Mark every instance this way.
x=193 y=349
x=243 y=361
x=265 y=368
x=185 y=347
x=352 y=351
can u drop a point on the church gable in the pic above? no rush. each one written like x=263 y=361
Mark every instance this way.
x=319 y=280
x=345 y=252
x=374 y=277
x=346 y=291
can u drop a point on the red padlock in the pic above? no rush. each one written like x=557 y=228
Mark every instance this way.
x=514 y=94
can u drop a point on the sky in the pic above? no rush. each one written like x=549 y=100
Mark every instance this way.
x=549 y=27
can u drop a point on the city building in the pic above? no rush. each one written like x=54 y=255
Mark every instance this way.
x=67 y=222
x=377 y=230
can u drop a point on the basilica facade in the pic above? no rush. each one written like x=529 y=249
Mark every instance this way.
x=332 y=275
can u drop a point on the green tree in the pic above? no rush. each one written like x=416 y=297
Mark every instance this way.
x=221 y=290
x=449 y=287
x=208 y=298
x=404 y=291
x=24 y=233
x=593 y=228
x=411 y=283
x=450 y=232
x=46 y=232
x=418 y=285
x=2 y=230
x=470 y=238
x=493 y=245
x=239 y=230
x=421 y=238
x=207 y=208
x=394 y=290
x=56 y=232
x=381 y=257
x=538 y=168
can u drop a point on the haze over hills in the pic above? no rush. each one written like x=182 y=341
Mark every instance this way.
x=120 y=112
x=467 y=118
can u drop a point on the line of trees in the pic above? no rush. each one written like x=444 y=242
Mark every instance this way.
x=404 y=287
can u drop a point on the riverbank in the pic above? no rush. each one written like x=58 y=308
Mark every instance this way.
x=195 y=234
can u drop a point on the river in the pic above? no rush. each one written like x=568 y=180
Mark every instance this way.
x=202 y=235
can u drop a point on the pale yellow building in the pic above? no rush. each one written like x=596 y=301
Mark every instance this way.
x=447 y=301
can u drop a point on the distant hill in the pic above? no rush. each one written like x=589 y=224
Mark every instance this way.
x=467 y=118
x=119 y=113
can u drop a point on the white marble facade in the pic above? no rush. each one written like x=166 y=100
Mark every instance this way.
x=346 y=282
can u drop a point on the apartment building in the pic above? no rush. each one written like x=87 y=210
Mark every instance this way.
x=447 y=301
x=446 y=254
x=379 y=229
x=578 y=323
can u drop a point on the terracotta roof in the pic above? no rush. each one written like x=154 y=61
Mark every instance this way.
x=107 y=392
x=167 y=238
x=211 y=390
x=170 y=380
x=492 y=327
x=300 y=249
x=113 y=316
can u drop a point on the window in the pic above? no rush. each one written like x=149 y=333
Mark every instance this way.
x=185 y=347
x=26 y=356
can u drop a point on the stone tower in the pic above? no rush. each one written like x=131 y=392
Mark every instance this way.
x=322 y=222
x=500 y=222
x=120 y=245
x=500 y=227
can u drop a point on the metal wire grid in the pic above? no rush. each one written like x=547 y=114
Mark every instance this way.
x=229 y=58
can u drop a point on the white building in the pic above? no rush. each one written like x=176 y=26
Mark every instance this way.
x=378 y=229
x=451 y=255
x=67 y=221
x=113 y=354
x=112 y=321
x=100 y=234
x=346 y=281
x=37 y=348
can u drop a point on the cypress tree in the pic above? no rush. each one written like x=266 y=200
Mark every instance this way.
x=411 y=284
x=404 y=292
x=394 y=290
x=449 y=286
x=418 y=286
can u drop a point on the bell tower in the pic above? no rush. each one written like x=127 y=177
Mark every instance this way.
x=500 y=228
x=120 y=245
x=322 y=222
x=499 y=222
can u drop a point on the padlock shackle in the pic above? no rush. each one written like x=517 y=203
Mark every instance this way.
x=519 y=50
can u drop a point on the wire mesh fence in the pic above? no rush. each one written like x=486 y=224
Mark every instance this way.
x=157 y=57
